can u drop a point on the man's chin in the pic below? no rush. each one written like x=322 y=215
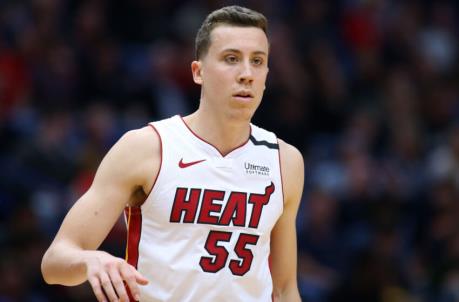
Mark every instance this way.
x=241 y=114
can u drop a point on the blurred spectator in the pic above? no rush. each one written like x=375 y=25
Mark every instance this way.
x=444 y=160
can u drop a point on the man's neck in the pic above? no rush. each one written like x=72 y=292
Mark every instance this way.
x=222 y=132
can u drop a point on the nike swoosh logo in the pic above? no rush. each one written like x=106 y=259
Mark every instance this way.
x=183 y=165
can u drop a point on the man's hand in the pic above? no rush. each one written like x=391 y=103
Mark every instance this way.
x=108 y=274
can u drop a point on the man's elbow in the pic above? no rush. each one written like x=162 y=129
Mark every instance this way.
x=45 y=268
x=286 y=292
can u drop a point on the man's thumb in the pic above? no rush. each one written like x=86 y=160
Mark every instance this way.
x=140 y=279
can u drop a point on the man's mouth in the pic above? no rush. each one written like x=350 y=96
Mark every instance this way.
x=243 y=95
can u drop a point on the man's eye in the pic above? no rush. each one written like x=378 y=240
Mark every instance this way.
x=231 y=59
x=257 y=61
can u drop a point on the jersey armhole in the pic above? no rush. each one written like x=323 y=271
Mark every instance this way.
x=160 y=160
x=280 y=174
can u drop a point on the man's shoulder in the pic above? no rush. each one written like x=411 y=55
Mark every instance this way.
x=140 y=141
x=136 y=157
x=289 y=148
x=292 y=169
x=291 y=158
x=140 y=135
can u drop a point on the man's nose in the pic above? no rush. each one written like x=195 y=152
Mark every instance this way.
x=246 y=73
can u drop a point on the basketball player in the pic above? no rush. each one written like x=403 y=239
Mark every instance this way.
x=210 y=199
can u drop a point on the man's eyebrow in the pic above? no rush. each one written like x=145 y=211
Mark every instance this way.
x=257 y=52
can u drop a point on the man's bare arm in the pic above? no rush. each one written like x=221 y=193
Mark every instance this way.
x=283 y=237
x=127 y=169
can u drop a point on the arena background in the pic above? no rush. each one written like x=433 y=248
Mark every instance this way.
x=367 y=90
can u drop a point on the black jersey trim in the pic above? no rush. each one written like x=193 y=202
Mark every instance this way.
x=263 y=143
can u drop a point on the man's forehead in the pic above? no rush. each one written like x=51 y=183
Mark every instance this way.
x=237 y=37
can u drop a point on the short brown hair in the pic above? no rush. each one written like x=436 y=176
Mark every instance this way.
x=229 y=15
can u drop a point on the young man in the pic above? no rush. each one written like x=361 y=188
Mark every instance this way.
x=211 y=199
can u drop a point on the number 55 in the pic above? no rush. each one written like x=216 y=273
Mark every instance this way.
x=239 y=266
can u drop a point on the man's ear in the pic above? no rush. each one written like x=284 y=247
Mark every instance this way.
x=196 y=70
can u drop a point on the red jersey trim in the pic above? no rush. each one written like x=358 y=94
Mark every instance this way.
x=134 y=229
x=200 y=138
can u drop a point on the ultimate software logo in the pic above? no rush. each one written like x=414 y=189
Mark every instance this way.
x=252 y=169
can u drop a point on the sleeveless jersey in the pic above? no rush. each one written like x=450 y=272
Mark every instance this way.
x=203 y=233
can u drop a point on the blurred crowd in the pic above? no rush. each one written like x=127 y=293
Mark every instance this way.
x=368 y=90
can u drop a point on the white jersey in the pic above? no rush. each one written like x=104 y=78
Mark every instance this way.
x=203 y=233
